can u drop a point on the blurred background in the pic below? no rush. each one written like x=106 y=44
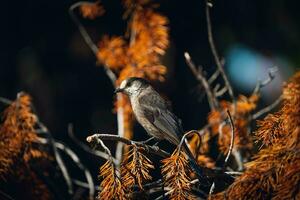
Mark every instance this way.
x=43 y=54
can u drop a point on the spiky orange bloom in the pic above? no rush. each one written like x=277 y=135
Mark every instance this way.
x=92 y=10
x=242 y=140
x=111 y=186
x=135 y=168
x=112 y=52
x=274 y=172
x=17 y=136
x=175 y=172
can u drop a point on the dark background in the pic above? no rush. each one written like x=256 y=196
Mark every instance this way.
x=43 y=54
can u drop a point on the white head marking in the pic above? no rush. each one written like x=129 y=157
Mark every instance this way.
x=123 y=84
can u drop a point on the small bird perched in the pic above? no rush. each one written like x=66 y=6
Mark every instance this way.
x=152 y=112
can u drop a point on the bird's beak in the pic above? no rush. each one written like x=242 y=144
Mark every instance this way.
x=117 y=90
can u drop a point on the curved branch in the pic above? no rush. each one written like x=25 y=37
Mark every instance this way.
x=76 y=160
x=85 y=147
x=152 y=149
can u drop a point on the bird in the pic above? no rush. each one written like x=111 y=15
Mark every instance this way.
x=151 y=110
x=155 y=115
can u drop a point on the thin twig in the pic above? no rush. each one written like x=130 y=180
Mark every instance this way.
x=57 y=156
x=4 y=196
x=5 y=101
x=81 y=28
x=84 y=184
x=200 y=77
x=187 y=134
x=77 y=161
x=86 y=148
x=232 y=138
x=214 y=76
x=221 y=92
x=267 y=109
x=211 y=190
x=215 y=53
x=152 y=149
x=261 y=84
x=109 y=73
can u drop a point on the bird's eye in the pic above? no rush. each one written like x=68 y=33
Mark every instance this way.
x=129 y=84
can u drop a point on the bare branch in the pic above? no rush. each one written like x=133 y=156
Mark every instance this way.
x=215 y=53
x=84 y=184
x=152 y=149
x=57 y=156
x=261 y=84
x=85 y=147
x=221 y=92
x=77 y=161
x=5 y=101
x=3 y=195
x=187 y=134
x=201 y=78
x=232 y=138
x=211 y=190
x=87 y=37
x=267 y=109
x=81 y=28
x=109 y=73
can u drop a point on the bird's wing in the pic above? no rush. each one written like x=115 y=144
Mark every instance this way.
x=156 y=112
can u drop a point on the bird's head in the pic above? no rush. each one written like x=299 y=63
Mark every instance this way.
x=132 y=86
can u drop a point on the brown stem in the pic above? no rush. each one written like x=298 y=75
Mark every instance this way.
x=200 y=77
x=152 y=149
x=215 y=53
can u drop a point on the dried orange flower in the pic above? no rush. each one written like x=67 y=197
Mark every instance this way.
x=175 y=174
x=112 y=52
x=135 y=168
x=274 y=172
x=17 y=136
x=16 y=133
x=111 y=185
x=92 y=10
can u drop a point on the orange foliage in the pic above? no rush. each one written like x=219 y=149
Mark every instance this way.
x=274 y=172
x=175 y=174
x=17 y=136
x=140 y=56
x=135 y=168
x=111 y=186
x=242 y=140
x=91 y=10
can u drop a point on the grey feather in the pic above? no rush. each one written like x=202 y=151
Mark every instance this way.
x=160 y=116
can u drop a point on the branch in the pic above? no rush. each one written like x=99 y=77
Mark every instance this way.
x=232 y=138
x=5 y=101
x=57 y=156
x=152 y=149
x=5 y=196
x=85 y=147
x=81 y=28
x=77 y=161
x=260 y=84
x=109 y=73
x=211 y=190
x=267 y=109
x=200 y=77
x=215 y=53
x=87 y=38
x=187 y=134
